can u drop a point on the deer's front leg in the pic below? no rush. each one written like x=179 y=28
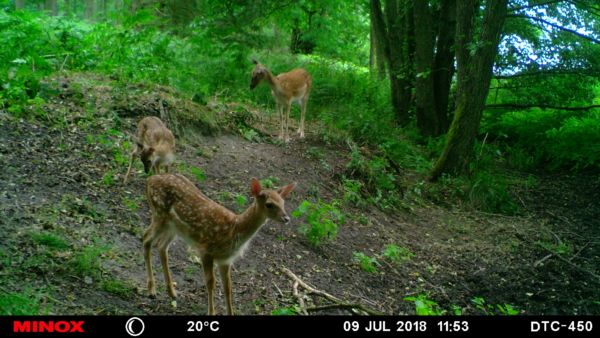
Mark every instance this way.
x=209 y=279
x=280 y=112
x=131 y=157
x=164 y=260
x=225 y=271
x=287 y=121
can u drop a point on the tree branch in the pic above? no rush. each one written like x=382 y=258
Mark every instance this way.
x=354 y=308
x=514 y=9
x=542 y=106
x=574 y=32
x=579 y=72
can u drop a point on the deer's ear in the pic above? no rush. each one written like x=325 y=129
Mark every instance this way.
x=255 y=187
x=284 y=191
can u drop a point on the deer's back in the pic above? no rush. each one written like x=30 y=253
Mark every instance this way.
x=151 y=130
x=198 y=219
x=295 y=83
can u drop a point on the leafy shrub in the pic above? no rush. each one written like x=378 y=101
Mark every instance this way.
x=322 y=220
x=490 y=193
x=366 y=263
x=397 y=254
x=425 y=306
x=286 y=311
x=50 y=240
x=489 y=309
x=548 y=138
x=27 y=302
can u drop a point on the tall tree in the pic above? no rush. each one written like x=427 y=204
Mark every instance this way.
x=51 y=7
x=424 y=87
x=377 y=59
x=443 y=65
x=90 y=9
x=391 y=28
x=476 y=50
x=378 y=39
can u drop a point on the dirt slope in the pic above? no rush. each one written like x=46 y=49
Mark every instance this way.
x=62 y=175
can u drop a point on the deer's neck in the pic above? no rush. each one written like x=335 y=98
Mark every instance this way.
x=249 y=222
x=272 y=81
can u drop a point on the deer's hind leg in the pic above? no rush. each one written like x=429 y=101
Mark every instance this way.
x=134 y=152
x=157 y=234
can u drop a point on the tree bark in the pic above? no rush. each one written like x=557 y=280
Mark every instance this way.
x=50 y=7
x=443 y=65
x=19 y=4
x=398 y=67
x=427 y=121
x=90 y=9
x=378 y=41
x=474 y=74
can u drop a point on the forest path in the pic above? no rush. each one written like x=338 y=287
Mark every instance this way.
x=71 y=231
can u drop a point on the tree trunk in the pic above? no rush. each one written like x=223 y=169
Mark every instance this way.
x=474 y=74
x=102 y=9
x=424 y=90
x=50 y=7
x=379 y=42
x=19 y=4
x=443 y=65
x=135 y=5
x=90 y=9
x=399 y=69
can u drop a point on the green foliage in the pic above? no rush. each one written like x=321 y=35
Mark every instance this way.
x=286 y=311
x=490 y=192
x=117 y=287
x=33 y=46
x=499 y=309
x=198 y=174
x=322 y=220
x=425 y=306
x=269 y=182
x=87 y=261
x=561 y=248
x=352 y=192
x=397 y=254
x=241 y=201
x=25 y=303
x=374 y=178
x=366 y=263
x=548 y=138
x=108 y=179
x=130 y=204
x=50 y=240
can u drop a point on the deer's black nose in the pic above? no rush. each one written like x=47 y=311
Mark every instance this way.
x=285 y=219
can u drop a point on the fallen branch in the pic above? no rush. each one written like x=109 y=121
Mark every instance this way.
x=339 y=304
x=572 y=264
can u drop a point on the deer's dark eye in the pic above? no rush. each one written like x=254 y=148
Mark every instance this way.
x=270 y=205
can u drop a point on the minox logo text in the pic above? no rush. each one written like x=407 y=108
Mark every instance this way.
x=60 y=326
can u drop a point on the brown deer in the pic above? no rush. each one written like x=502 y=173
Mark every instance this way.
x=293 y=86
x=155 y=144
x=219 y=235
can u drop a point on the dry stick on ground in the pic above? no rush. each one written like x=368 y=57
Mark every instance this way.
x=339 y=304
x=300 y=298
x=572 y=264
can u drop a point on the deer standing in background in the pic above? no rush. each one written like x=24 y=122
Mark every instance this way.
x=219 y=235
x=293 y=86
x=155 y=144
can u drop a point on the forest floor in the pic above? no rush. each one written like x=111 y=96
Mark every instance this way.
x=70 y=230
